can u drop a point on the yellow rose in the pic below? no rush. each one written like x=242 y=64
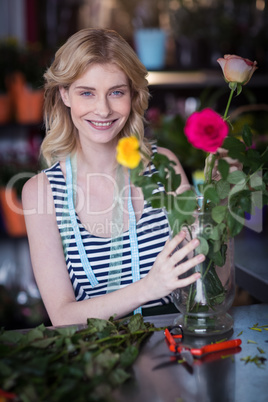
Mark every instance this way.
x=128 y=152
x=236 y=69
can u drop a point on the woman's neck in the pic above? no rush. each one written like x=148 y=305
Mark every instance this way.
x=99 y=158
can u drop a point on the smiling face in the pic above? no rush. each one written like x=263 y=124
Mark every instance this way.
x=100 y=103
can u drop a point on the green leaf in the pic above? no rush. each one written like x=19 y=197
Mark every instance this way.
x=161 y=173
x=235 y=222
x=148 y=190
x=215 y=233
x=129 y=355
x=181 y=210
x=223 y=189
x=219 y=257
x=257 y=199
x=185 y=202
x=247 y=135
x=203 y=246
x=157 y=202
x=218 y=213
x=34 y=334
x=136 y=323
x=107 y=359
x=223 y=167
x=236 y=177
x=211 y=194
x=236 y=192
x=118 y=377
x=245 y=201
x=256 y=182
x=177 y=220
x=11 y=337
x=43 y=343
x=216 y=247
x=174 y=182
x=160 y=159
x=239 y=89
x=265 y=177
x=102 y=328
x=67 y=331
x=235 y=147
x=253 y=159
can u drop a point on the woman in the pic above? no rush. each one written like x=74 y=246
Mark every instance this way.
x=97 y=248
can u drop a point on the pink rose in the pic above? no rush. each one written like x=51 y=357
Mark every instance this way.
x=206 y=130
x=237 y=69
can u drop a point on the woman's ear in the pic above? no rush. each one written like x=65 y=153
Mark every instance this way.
x=64 y=93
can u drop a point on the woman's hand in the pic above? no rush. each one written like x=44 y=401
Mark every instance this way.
x=163 y=278
x=233 y=163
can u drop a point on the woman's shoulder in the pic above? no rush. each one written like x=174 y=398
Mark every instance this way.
x=161 y=150
x=167 y=152
x=164 y=151
x=155 y=149
x=34 y=190
x=178 y=167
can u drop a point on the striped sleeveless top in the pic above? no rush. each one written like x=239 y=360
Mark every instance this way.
x=152 y=234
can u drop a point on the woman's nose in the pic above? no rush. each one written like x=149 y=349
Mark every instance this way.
x=102 y=107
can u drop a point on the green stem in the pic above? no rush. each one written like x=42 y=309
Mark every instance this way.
x=208 y=267
x=228 y=104
x=266 y=150
x=209 y=167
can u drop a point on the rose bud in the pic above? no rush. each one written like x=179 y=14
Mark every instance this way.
x=236 y=69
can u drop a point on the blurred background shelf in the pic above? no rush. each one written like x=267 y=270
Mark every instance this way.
x=196 y=79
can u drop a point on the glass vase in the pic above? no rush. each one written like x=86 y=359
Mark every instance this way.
x=204 y=305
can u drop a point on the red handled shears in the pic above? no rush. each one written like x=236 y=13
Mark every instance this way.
x=176 y=346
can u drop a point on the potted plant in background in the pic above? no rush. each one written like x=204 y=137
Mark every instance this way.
x=25 y=85
x=8 y=64
x=21 y=72
x=17 y=164
x=219 y=215
x=147 y=19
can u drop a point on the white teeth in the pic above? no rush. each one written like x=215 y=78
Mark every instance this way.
x=98 y=124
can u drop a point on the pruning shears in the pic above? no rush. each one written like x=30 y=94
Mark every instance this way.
x=188 y=353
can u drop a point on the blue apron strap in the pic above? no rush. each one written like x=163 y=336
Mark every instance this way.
x=81 y=249
x=135 y=261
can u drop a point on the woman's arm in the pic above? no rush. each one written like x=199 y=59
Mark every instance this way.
x=178 y=168
x=52 y=276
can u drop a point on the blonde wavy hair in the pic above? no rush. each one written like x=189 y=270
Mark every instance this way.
x=84 y=48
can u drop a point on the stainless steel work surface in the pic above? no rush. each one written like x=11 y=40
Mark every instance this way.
x=159 y=378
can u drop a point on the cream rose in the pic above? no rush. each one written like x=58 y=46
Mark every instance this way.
x=236 y=69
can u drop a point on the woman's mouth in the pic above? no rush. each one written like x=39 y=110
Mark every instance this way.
x=101 y=124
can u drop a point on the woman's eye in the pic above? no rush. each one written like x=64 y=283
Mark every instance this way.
x=117 y=93
x=86 y=93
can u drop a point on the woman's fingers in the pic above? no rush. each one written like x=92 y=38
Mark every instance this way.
x=182 y=252
x=175 y=258
x=181 y=283
x=170 y=265
x=171 y=244
x=183 y=267
x=190 y=263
